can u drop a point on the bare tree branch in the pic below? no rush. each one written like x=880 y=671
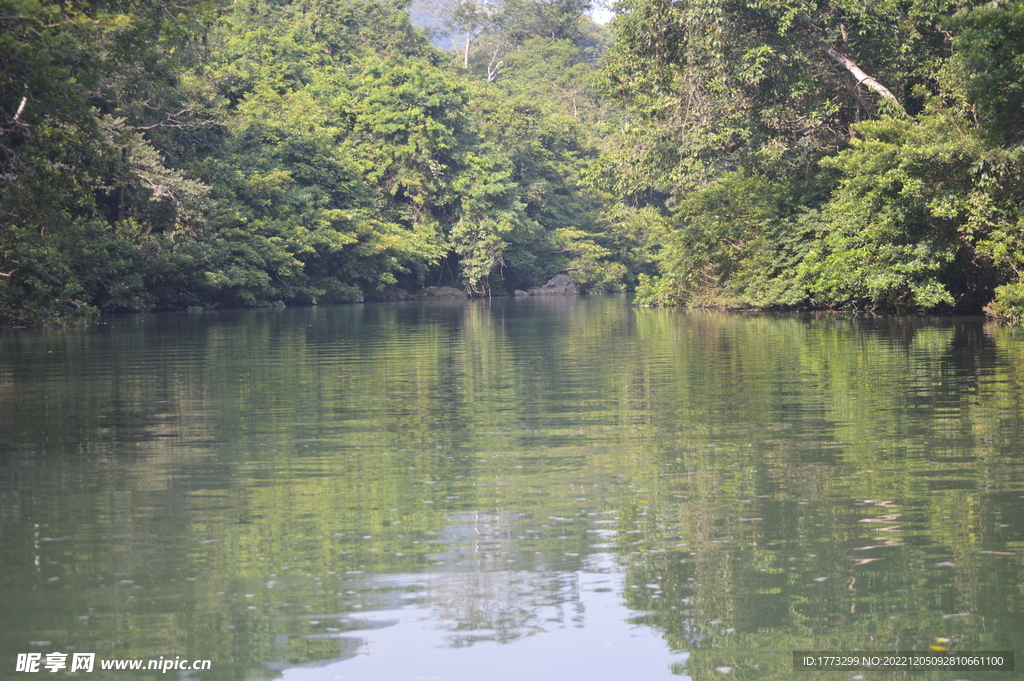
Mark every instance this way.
x=172 y=121
x=21 y=107
x=862 y=78
x=494 y=68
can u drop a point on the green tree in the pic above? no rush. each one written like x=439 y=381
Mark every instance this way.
x=490 y=217
x=832 y=155
x=79 y=84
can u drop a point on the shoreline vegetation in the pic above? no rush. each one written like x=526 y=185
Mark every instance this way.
x=733 y=154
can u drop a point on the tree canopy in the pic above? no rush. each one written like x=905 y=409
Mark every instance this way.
x=168 y=156
x=824 y=154
x=727 y=153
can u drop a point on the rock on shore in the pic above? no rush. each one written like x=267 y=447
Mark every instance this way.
x=560 y=285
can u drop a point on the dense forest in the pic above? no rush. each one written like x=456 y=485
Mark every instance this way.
x=833 y=154
x=728 y=153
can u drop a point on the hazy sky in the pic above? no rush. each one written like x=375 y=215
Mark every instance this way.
x=600 y=12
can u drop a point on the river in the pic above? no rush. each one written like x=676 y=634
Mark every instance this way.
x=563 y=488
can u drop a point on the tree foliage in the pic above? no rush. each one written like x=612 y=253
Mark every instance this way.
x=734 y=153
x=158 y=156
x=830 y=154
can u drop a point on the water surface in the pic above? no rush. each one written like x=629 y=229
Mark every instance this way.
x=515 y=489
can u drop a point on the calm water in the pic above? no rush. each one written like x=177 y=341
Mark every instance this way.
x=520 y=489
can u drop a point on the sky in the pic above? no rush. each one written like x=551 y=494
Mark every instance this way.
x=600 y=12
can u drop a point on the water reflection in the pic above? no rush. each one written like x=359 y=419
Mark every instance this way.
x=550 y=488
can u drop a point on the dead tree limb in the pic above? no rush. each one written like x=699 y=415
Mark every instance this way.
x=861 y=77
x=21 y=107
